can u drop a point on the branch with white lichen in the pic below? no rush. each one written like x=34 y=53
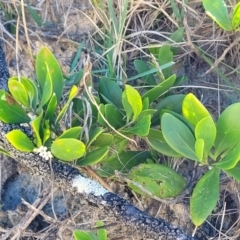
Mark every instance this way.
x=64 y=175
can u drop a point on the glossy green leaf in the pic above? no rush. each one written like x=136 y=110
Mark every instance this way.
x=82 y=235
x=68 y=149
x=156 y=140
x=101 y=233
x=165 y=56
x=206 y=130
x=141 y=128
x=160 y=89
x=51 y=108
x=72 y=95
x=199 y=148
x=20 y=141
x=73 y=132
x=230 y=160
x=46 y=132
x=94 y=133
x=18 y=91
x=135 y=100
x=160 y=180
x=236 y=16
x=47 y=63
x=234 y=172
x=178 y=136
x=10 y=110
x=145 y=113
x=36 y=126
x=110 y=92
x=104 y=139
x=114 y=116
x=127 y=107
x=93 y=157
x=100 y=119
x=123 y=162
x=173 y=103
x=228 y=131
x=145 y=103
x=32 y=91
x=47 y=90
x=205 y=196
x=141 y=68
x=217 y=10
x=193 y=110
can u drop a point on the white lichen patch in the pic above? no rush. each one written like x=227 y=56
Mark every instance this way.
x=85 y=185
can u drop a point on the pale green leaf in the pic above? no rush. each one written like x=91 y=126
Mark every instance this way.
x=205 y=196
x=20 y=141
x=178 y=136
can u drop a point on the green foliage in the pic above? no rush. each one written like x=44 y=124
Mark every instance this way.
x=159 y=180
x=20 y=141
x=218 y=11
x=198 y=138
x=84 y=235
x=101 y=127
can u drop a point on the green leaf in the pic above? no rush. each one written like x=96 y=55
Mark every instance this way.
x=100 y=119
x=93 y=157
x=234 y=172
x=114 y=116
x=32 y=91
x=36 y=126
x=156 y=140
x=173 y=103
x=141 y=128
x=205 y=196
x=20 y=141
x=46 y=132
x=199 y=147
x=141 y=68
x=134 y=99
x=145 y=113
x=94 y=133
x=165 y=56
x=47 y=90
x=178 y=136
x=37 y=18
x=18 y=91
x=230 y=160
x=206 y=130
x=51 y=108
x=127 y=107
x=177 y=37
x=46 y=59
x=193 y=110
x=104 y=139
x=161 y=181
x=217 y=10
x=67 y=149
x=10 y=110
x=73 y=132
x=236 y=16
x=160 y=89
x=82 y=235
x=228 y=131
x=110 y=92
x=123 y=162
x=101 y=233
x=72 y=95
